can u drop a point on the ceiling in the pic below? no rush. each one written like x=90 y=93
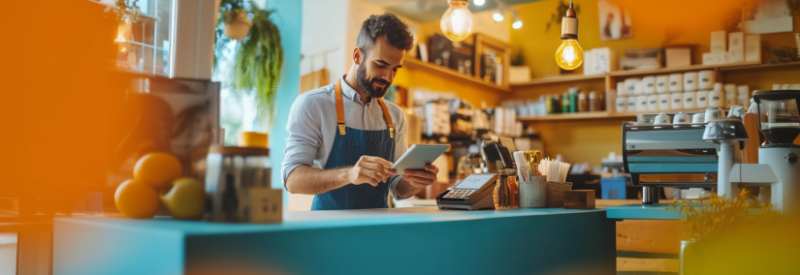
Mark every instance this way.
x=432 y=10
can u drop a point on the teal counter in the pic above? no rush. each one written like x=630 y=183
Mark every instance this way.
x=379 y=241
x=642 y=212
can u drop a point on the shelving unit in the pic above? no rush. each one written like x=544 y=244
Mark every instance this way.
x=719 y=67
x=416 y=64
x=595 y=115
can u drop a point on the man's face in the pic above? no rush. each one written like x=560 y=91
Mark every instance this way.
x=376 y=71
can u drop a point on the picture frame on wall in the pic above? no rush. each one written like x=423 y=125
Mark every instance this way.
x=615 y=22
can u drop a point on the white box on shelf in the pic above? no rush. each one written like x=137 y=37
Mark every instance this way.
x=663 y=102
x=622 y=104
x=652 y=102
x=632 y=103
x=519 y=74
x=676 y=82
x=718 y=42
x=736 y=47
x=715 y=58
x=689 y=99
x=678 y=56
x=641 y=103
x=752 y=48
x=676 y=100
x=662 y=84
x=598 y=61
x=702 y=99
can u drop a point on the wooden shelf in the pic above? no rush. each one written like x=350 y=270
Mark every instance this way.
x=760 y=66
x=730 y=66
x=416 y=64
x=558 y=79
x=597 y=115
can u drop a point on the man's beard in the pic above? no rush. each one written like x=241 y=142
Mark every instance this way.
x=366 y=84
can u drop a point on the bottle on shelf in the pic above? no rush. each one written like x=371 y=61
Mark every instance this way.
x=583 y=104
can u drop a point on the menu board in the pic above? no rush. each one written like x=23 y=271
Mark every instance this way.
x=475 y=181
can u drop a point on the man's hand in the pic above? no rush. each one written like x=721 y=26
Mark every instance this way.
x=421 y=178
x=370 y=170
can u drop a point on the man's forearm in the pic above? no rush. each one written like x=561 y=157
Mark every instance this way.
x=312 y=181
x=405 y=189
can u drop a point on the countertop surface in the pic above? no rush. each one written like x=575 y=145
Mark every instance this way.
x=317 y=220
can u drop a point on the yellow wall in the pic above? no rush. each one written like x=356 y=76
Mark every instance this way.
x=591 y=140
x=651 y=21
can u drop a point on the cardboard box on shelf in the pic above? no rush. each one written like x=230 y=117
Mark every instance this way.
x=678 y=56
x=752 y=48
x=715 y=58
x=719 y=42
x=736 y=47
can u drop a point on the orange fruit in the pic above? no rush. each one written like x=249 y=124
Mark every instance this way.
x=136 y=200
x=157 y=169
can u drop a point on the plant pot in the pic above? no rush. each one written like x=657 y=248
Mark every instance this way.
x=519 y=74
x=237 y=25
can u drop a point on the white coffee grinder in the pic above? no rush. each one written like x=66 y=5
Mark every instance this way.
x=778 y=164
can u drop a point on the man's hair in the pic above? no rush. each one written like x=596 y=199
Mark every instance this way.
x=386 y=25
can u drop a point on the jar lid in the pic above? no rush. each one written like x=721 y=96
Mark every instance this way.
x=240 y=151
x=253 y=139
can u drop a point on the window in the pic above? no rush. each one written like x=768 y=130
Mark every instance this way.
x=143 y=46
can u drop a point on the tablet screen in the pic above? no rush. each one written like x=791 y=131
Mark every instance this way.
x=474 y=181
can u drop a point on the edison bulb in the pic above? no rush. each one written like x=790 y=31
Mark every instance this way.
x=457 y=21
x=569 y=55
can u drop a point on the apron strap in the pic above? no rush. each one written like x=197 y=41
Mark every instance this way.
x=387 y=117
x=340 y=111
x=339 y=107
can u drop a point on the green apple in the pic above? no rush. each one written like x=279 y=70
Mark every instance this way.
x=184 y=199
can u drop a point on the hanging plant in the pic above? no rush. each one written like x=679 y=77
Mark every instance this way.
x=557 y=16
x=128 y=8
x=257 y=57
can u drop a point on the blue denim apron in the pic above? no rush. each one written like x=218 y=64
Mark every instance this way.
x=348 y=147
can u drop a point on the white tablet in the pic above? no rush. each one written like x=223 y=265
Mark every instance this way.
x=418 y=156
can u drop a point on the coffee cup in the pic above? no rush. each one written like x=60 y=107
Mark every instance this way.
x=699 y=118
x=712 y=114
x=681 y=118
x=661 y=119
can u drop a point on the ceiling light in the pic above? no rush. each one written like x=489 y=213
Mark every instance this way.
x=517 y=22
x=569 y=55
x=479 y=2
x=456 y=22
x=498 y=16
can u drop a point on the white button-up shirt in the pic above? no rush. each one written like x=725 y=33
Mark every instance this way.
x=312 y=127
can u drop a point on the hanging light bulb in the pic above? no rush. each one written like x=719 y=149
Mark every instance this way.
x=479 y=2
x=498 y=16
x=517 y=22
x=457 y=21
x=569 y=55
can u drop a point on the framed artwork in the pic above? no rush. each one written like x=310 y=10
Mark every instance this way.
x=767 y=16
x=615 y=21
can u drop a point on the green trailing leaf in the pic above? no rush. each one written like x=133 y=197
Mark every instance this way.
x=257 y=60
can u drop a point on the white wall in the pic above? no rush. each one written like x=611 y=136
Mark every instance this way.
x=323 y=37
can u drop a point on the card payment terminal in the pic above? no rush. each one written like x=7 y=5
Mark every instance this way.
x=475 y=192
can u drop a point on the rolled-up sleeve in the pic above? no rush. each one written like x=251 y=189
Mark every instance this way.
x=400 y=148
x=305 y=135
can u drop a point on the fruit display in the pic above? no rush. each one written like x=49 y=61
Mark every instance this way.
x=158 y=179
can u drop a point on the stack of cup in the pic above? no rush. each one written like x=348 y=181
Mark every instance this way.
x=662 y=89
x=676 y=90
x=716 y=98
x=689 y=90
x=706 y=80
x=622 y=98
x=730 y=95
x=649 y=87
x=630 y=87
x=743 y=95
x=641 y=97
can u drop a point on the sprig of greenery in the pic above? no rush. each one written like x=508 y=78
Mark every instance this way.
x=130 y=8
x=715 y=215
x=258 y=59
